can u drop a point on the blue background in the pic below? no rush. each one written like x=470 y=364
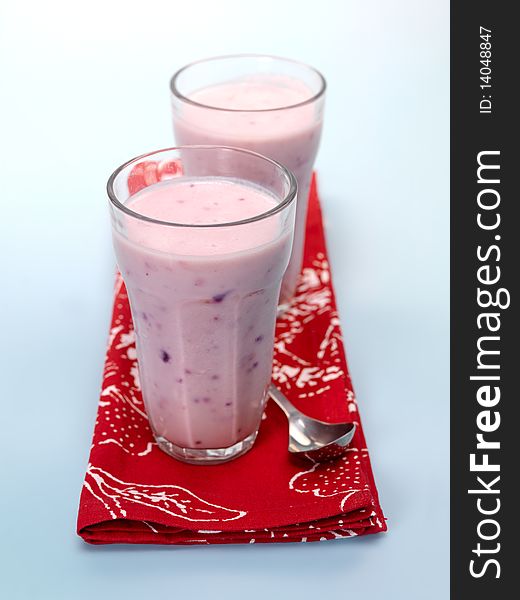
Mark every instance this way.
x=85 y=87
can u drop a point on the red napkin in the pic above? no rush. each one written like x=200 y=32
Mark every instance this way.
x=134 y=493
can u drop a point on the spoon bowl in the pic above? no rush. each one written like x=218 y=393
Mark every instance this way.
x=310 y=437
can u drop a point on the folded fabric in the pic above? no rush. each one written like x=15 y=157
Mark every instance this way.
x=134 y=493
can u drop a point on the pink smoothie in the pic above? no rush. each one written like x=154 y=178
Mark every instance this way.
x=259 y=122
x=204 y=304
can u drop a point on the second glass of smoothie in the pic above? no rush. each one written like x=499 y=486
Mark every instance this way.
x=203 y=237
x=273 y=106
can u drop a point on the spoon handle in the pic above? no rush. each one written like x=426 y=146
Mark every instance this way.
x=282 y=401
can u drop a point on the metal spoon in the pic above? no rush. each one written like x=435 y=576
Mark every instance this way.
x=312 y=438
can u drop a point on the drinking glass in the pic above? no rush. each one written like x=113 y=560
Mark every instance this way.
x=203 y=295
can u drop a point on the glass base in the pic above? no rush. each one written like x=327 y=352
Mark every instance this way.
x=207 y=456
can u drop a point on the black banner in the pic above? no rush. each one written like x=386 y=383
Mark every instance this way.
x=485 y=257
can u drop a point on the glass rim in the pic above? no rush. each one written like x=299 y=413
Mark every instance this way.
x=290 y=196
x=176 y=92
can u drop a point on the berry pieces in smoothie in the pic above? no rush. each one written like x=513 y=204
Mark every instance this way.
x=168 y=169
x=204 y=399
x=142 y=175
x=218 y=298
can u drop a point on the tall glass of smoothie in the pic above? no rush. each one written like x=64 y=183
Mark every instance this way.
x=202 y=249
x=270 y=105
